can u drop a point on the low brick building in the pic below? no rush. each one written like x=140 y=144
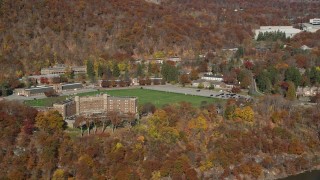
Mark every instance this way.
x=66 y=87
x=33 y=91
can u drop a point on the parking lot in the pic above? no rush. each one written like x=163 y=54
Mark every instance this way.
x=197 y=92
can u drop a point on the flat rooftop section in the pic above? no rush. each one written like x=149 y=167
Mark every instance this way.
x=310 y=28
x=64 y=102
x=71 y=84
x=286 y=29
x=39 y=87
x=122 y=97
x=109 y=96
x=44 y=75
x=290 y=31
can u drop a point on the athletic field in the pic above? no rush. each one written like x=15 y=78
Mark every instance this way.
x=158 y=98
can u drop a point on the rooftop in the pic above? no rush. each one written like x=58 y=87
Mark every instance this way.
x=45 y=76
x=64 y=102
x=286 y=29
x=38 y=87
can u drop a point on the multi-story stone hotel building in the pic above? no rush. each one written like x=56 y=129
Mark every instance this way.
x=97 y=104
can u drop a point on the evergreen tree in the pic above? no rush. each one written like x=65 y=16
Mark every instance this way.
x=314 y=75
x=260 y=37
x=165 y=71
x=149 y=69
x=100 y=70
x=107 y=72
x=139 y=70
x=126 y=75
x=293 y=74
x=306 y=78
x=115 y=70
x=173 y=74
x=240 y=52
x=90 y=70
x=273 y=75
x=263 y=82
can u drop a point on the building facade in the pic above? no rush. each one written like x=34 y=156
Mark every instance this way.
x=212 y=78
x=105 y=103
x=97 y=104
x=66 y=108
x=62 y=69
x=66 y=87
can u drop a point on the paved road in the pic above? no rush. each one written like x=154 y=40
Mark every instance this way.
x=191 y=91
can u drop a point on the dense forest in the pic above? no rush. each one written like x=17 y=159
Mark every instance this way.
x=39 y=33
x=268 y=138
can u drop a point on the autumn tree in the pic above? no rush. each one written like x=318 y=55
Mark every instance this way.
x=184 y=79
x=198 y=124
x=245 y=78
x=194 y=75
x=291 y=92
x=115 y=119
x=246 y=114
x=159 y=129
x=115 y=70
x=50 y=121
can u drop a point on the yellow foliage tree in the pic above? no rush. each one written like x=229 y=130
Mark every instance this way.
x=159 y=128
x=159 y=54
x=86 y=159
x=122 y=66
x=50 y=121
x=246 y=114
x=198 y=124
x=58 y=174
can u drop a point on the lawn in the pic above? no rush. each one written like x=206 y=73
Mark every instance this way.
x=45 y=102
x=158 y=98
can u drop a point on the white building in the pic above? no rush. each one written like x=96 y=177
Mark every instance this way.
x=198 y=82
x=305 y=48
x=210 y=77
x=288 y=30
x=307 y=91
x=155 y=61
x=315 y=21
x=174 y=59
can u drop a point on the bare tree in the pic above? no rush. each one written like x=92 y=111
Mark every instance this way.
x=115 y=119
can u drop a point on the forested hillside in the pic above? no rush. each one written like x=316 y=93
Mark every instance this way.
x=263 y=140
x=35 y=34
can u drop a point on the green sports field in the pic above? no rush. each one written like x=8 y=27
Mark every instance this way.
x=158 y=98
